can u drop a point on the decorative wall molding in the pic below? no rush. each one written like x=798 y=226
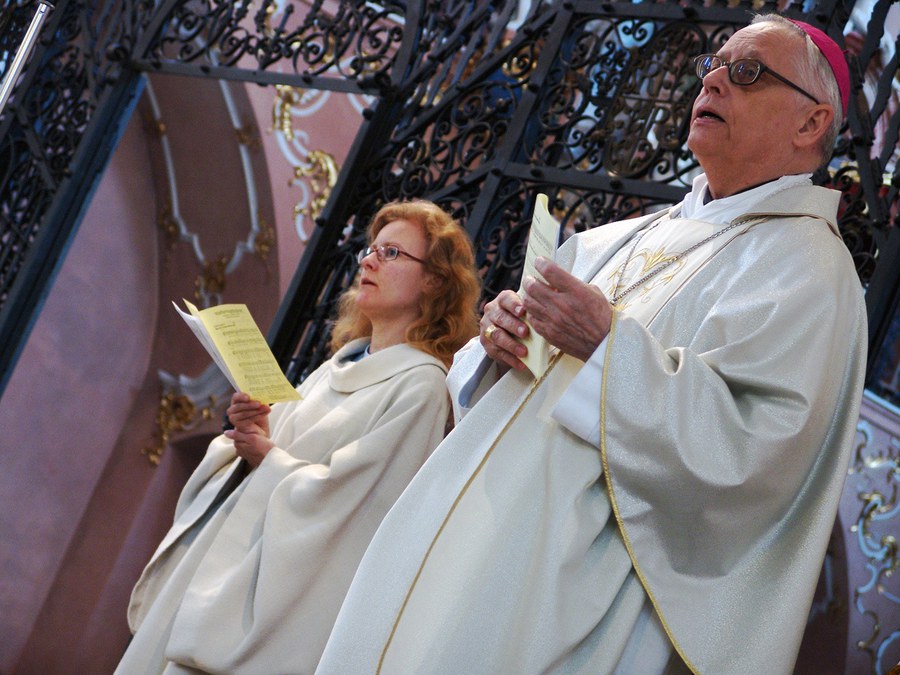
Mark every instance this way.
x=871 y=507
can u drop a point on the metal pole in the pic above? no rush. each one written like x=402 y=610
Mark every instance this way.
x=23 y=52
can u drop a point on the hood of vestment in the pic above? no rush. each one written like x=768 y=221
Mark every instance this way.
x=812 y=201
x=348 y=375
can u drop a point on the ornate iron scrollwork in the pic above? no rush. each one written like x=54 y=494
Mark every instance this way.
x=359 y=39
x=854 y=221
x=591 y=105
x=621 y=99
x=588 y=100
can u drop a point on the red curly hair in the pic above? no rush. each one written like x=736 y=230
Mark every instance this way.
x=448 y=315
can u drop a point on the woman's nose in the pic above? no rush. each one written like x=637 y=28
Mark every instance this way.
x=370 y=261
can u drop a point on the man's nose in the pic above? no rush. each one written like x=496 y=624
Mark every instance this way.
x=716 y=80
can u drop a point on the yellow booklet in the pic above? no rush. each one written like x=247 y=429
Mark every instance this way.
x=234 y=341
x=542 y=239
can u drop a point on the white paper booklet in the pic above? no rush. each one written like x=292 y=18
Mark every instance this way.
x=542 y=241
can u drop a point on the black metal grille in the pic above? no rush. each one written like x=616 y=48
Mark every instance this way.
x=586 y=101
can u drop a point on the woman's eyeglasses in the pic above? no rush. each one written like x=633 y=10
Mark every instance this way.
x=385 y=253
x=743 y=72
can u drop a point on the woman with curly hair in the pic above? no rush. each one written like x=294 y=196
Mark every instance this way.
x=270 y=528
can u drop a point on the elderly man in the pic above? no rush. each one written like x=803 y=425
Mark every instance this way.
x=661 y=499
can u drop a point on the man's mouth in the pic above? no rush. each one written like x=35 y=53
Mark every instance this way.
x=709 y=115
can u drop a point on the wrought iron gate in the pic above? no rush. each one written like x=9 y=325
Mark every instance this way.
x=587 y=101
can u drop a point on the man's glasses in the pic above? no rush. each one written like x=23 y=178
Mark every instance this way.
x=386 y=252
x=743 y=72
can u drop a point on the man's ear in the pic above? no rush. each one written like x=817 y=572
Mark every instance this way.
x=815 y=125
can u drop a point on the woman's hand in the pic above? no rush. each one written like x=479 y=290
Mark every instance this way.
x=250 y=419
x=245 y=411
x=250 y=444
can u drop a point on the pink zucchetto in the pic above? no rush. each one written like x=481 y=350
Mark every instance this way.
x=833 y=54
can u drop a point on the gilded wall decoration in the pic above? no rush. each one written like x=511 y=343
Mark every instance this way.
x=872 y=488
x=321 y=174
x=264 y=243
x=211 y=282
x=314 y=172
x=176 y=412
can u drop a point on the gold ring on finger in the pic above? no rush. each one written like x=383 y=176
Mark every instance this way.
x=489 y=332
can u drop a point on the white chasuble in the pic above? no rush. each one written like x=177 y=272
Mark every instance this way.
x=253 y=572
x=665 y=505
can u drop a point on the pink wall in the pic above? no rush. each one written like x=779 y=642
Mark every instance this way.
x=83 y=508
x=75 y=382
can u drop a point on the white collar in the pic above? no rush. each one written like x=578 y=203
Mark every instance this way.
x=726 y=209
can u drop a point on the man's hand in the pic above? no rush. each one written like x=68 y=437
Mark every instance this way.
x=572 y=315
x=250 y=419
x=502 y=319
